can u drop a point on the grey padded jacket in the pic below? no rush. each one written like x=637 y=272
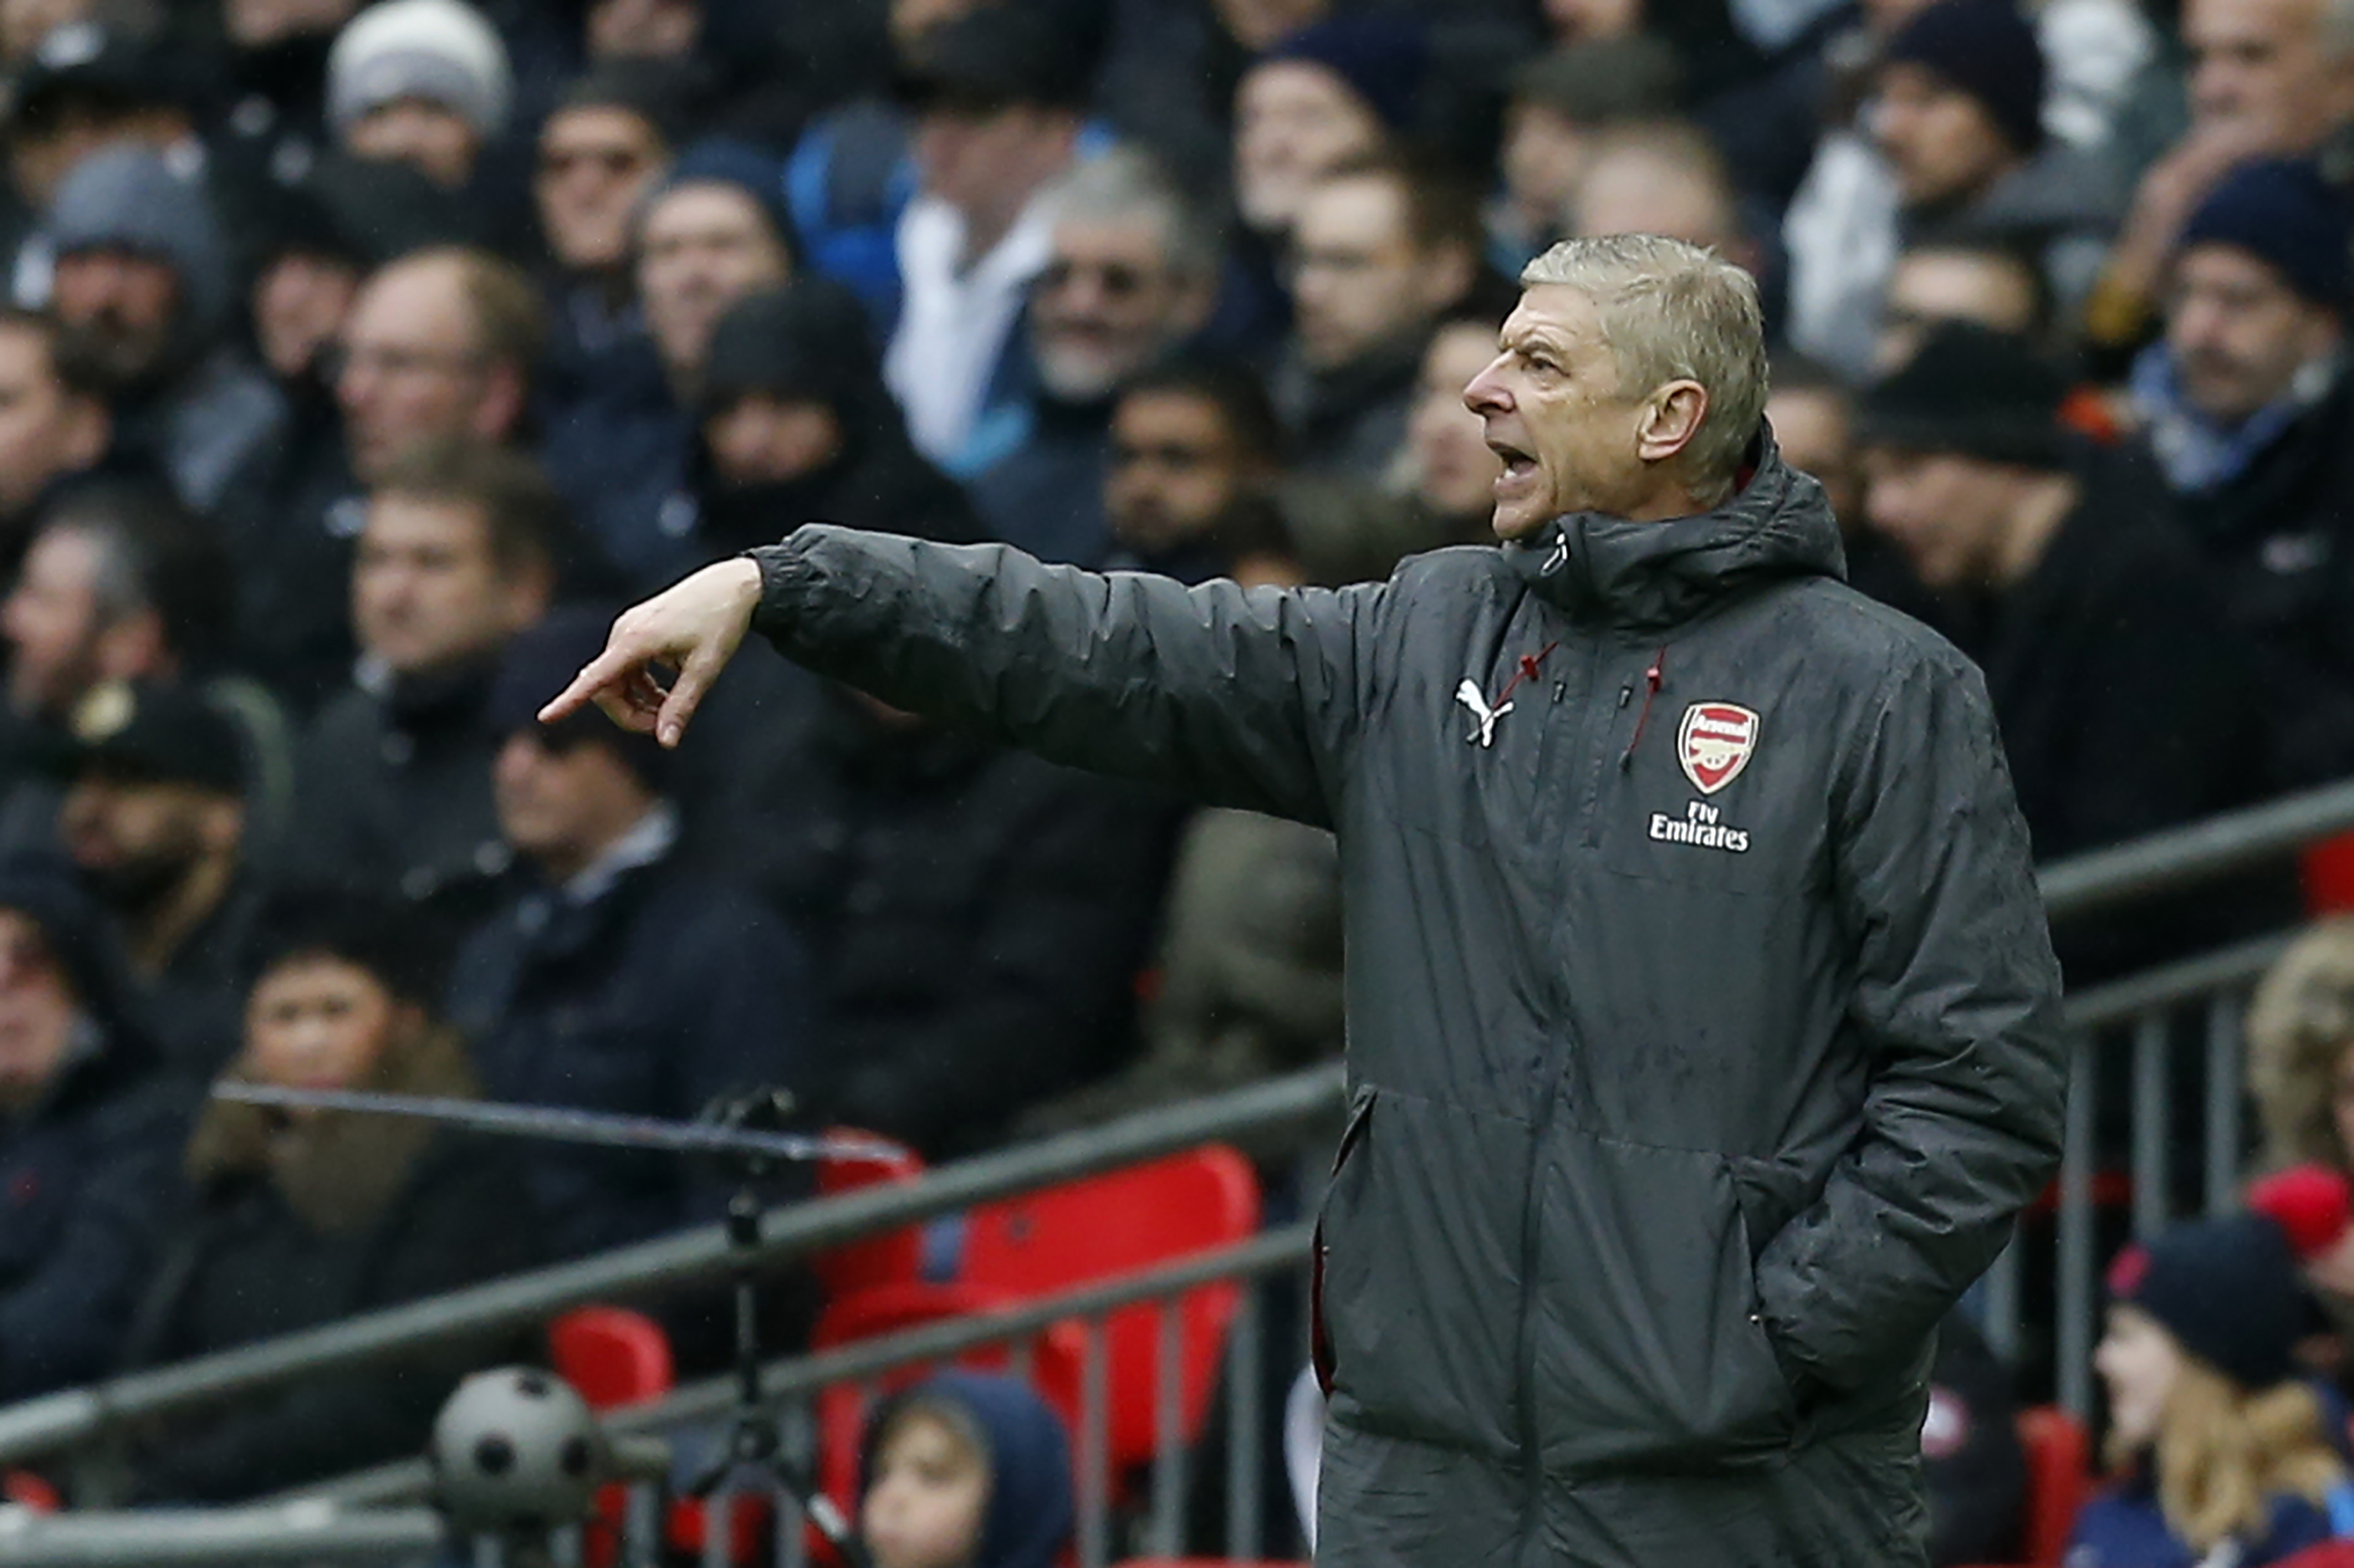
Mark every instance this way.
x=1704 y=1029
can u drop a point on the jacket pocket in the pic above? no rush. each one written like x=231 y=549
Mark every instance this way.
x=1649 y=1352
x=1414 y=1301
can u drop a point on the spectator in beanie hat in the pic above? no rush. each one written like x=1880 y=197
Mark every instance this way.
x=714 y=230
x=2247 y=404
x=310 y=244
x=795 y=422
x=1331 y=93
x=142 y=284
x=2094 y=624
x=1956 y=123
x=2219 y=1443
x=424 y=82
x=1960 y=119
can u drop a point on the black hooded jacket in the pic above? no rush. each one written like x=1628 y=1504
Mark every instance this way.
x=1703 y=1029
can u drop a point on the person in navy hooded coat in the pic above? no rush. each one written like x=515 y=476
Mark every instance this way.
x=965 y=1470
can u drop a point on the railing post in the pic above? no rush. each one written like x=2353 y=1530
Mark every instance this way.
x=2153 y=1122
x=2223 y=1010
x=1168 y=1440
x=1095 y=1446
x=2074 y=1284
x=1244 y=1371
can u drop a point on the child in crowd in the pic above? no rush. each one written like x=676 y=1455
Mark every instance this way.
x=2221 y=1448
x=965 y=1471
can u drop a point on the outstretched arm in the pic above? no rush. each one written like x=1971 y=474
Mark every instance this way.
x=1243 y=697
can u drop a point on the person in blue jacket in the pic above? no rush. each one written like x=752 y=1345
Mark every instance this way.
x=2218 y=1440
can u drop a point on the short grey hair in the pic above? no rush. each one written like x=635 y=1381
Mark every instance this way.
x=1123 y=184
x=1674 y=312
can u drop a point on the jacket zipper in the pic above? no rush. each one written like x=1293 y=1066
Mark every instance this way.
x=1596 y=717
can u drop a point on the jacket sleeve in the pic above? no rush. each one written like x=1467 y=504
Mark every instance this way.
x=1241 y=697
x=1957 y=1001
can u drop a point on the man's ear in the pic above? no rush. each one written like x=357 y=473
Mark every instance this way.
x=1671 y=417
x=499 y=407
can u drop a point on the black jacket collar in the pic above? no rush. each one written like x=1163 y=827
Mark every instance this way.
x=1644 y=577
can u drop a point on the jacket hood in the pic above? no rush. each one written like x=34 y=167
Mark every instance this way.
x=1643 y=577
x=1029 y=1517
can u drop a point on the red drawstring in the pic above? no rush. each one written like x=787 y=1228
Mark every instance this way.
x=1527 y=672
x=1652 y=678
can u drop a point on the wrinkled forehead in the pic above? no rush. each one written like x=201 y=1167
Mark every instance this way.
x=1557 y=314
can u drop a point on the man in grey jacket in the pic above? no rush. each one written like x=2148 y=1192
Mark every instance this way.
x=1703 y=1035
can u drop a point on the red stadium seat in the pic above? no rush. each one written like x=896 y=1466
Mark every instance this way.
x=25 y=1490
x=2059 y=1477
x=895 y=1257
x=2328 y=1554
x=2328 y=874
x=611 y=1355
x=615 y=1356
x=1121 y=1222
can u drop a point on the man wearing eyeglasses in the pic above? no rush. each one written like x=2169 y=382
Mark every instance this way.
x=613 y=428
x=1133 y=273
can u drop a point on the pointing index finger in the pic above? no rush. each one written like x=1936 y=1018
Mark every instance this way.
x=603 y=671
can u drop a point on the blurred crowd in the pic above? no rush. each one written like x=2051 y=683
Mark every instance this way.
x=358 y=360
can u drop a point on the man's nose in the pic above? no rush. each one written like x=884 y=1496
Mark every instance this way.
x=1485 y=392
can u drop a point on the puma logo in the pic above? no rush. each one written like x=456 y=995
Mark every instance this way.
x=1467 y=693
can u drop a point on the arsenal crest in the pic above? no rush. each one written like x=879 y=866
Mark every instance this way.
x=1713 y=743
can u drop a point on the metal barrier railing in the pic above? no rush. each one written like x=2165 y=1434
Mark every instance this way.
x=346 y=1520
x=58 y=1422
x=2148 y=1015
x=2105 y=878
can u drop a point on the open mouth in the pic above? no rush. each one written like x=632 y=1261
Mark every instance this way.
x=1518 y=464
